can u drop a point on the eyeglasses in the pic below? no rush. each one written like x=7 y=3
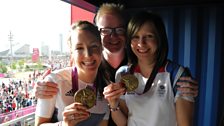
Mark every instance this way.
x=109 y=31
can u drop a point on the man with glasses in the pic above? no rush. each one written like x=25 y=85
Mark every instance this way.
x=111 y=23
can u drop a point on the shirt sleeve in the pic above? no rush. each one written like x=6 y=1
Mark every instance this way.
x=45 y=107
x=119 y=72
x=106 y=116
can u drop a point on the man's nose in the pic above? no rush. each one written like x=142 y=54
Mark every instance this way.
x=113 y=33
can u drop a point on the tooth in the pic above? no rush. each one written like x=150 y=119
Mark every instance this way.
x=89 y=63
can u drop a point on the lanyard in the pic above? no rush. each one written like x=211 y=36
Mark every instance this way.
x=75 y=81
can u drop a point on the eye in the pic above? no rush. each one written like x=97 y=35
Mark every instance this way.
x=95 y=46
x=135 y=38
x=78 y=48
x=149 y=37
x=105 y=31
x=120 y=31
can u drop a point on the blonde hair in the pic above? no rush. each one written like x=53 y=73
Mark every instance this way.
x=110 y=8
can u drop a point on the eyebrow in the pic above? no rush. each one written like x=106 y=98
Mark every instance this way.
x=95 y=42
x=114 y=27
x=79 y=44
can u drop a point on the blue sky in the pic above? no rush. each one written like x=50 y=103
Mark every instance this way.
x=34 y=22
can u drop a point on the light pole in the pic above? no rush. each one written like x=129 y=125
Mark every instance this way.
x=10 y=40
x=61 y=43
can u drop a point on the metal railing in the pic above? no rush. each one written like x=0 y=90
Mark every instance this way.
x=4 y=117
x=27 y=120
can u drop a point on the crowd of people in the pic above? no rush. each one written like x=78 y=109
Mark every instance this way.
x=15 y=95
x=56 y=62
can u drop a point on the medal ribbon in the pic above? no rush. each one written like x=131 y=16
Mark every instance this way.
x=75 y=81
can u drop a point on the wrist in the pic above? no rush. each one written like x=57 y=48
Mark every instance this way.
x=114 y=104
x=115 y=107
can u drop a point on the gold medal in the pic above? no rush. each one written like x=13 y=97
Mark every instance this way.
x=130 y=81
x=86 y=96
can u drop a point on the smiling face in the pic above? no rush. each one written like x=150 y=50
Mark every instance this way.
x=86 y=51
x=144 y=43
x=115 y=42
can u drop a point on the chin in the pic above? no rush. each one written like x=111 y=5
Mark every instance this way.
x=115 y=50
x=92 y=68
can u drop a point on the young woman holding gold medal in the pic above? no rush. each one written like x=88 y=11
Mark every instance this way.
x=153 y=100
x=79 y=101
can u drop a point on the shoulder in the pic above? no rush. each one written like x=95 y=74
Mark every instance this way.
x=173 y=67
x=61 y=74
x=120 y=71
x=123 y=69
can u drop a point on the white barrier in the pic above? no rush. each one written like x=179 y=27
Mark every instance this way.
x=27 y=120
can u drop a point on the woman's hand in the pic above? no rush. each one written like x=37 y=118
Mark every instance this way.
x=188 y=86
x=112 y=93
x=45 y=90
x=74 y=113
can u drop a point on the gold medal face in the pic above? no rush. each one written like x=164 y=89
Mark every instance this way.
x=86 y=96
x=130 y=81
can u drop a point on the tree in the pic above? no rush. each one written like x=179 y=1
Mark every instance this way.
x=21 y=63
x=39 y=65
x=13 y=65
x=3 y=68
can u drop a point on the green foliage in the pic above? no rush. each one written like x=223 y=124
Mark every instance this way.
x=3 y=68
x=39 y=65
x=34 y=66
x=13 y=65
x=27 y=68
x=21 y=63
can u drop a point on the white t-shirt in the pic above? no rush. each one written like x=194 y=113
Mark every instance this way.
x=62 y=77
x=155 y=107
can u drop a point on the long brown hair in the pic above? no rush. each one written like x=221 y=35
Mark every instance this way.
x=134 y=25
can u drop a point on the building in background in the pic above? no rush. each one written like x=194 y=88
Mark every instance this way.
x=45 y=50
x=18 y=51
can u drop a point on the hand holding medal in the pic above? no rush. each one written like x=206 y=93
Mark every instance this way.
x=113 y=91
